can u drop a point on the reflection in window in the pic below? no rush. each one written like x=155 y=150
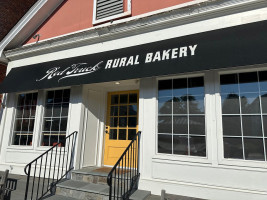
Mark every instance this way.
x=181 y=117
x=243 y=98
x=55 y=117
x=25 y=117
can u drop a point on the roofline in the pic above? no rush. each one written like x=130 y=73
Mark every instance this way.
x=34 y=17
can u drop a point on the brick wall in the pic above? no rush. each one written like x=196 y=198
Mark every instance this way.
x=2 y=72
x=11 y=11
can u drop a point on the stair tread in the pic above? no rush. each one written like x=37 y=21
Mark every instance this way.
x=86 y=187
x=91 y=171
x=140 y=195
x=59 y=197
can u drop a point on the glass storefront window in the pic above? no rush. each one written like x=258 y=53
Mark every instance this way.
x=25 y=118
x=181 y=117
x=55 y=117
x=243 y=102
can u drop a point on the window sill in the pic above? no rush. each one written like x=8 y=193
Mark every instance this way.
x=111 y=18
x=181 y=158
x=243 y=163
x=17 y=147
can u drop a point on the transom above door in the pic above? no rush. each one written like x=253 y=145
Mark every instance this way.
x=122 y=123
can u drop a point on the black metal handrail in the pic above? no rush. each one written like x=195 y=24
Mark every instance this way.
x=124 y=176
x=49 y=168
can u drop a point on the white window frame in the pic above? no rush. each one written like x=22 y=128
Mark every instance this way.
x=41 y=122
x=208 y=118
x=36 y=120
x=228 y=161
x=128 y=12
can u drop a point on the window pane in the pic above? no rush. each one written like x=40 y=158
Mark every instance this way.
x=196 y=86
x=114 y=99
x=196 y=104
x=123 y=121
x=56 y=110
x=165 y=88
x=55 y=125
x=122 y=134
x=21 y=99
x=180 y=105
x=132 y=109
x=229 y=84
x=27 y=110
x=254 y=149
x=231 y=125
x=48 y=110
x=250 y=103
x=264 y=102
x=65 y=109
x=50 y=97
x=131 y=133
x=58 y=96
x=132 y=98
x=28 y=100
x=165 y=125
x=123 y=110
x=18 y=123
x=180 y=87
x=248 y=82
x=132 y=121
x=180 y=125
x=230 y=104
x=19 y=112
x=25 y=124
x=165 y=105
x=123 y=98
x=233 y=148
x=113 y=122
x=113 y=134
x=265 y=124
x=46 y=140
x=197 y=125
x=252 y=125
x=66 y=95
x=263 y=80
x=47 y=124
x=63 y=124
x=180 y=145
x=33 y=111
x=31 y=125
x=197 y=146
x=165 y=144
x=114 y=111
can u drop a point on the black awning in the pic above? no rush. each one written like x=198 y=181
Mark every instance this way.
x=235 y=46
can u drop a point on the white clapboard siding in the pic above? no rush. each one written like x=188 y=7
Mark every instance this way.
x=107 y=8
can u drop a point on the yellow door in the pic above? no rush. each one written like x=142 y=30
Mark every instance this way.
x=122 y=124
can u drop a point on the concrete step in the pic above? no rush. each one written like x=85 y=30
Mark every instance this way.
x=90 y=175
x=140 y=195
x=82 y=190
x=58 y=197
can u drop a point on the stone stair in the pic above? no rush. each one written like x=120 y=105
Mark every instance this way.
x=89 y=183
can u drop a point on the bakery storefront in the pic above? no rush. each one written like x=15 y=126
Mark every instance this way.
x=200 y=101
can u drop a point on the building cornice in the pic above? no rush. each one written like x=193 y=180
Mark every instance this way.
x=136 y=25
